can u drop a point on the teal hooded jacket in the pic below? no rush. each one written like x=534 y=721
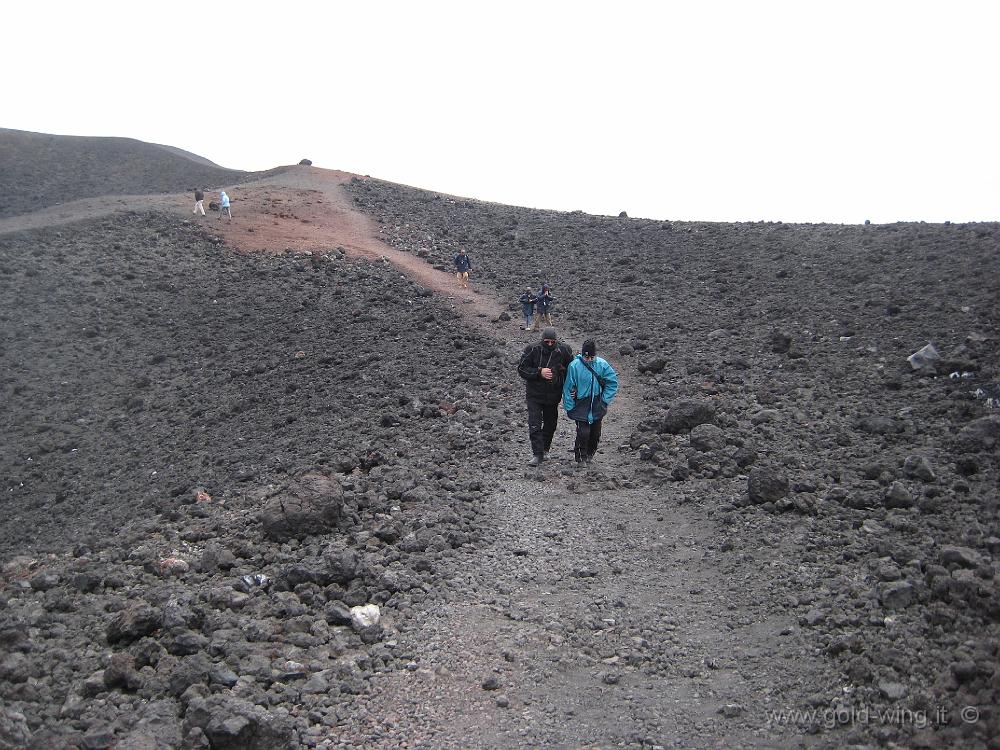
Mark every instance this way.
x=585 y=384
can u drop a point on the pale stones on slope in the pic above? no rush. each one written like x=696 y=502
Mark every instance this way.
x=173 y=566
x=366 y=620
x=310 y=505
x=707 y=437
x=365 y=616
x=766 y=485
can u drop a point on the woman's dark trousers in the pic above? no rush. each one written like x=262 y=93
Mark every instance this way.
x=587 y=438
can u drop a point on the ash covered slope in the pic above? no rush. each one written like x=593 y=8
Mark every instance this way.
x=795 y=338
x=39 y=170
x=142 y=360
x=263 y=417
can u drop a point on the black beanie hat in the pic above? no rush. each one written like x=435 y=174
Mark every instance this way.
x=549 y=333
x=589 y=348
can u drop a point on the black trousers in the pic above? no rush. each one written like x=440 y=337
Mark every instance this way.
x=587 y=438
x=542 y=421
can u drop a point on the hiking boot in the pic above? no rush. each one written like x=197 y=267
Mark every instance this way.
x=536 y=460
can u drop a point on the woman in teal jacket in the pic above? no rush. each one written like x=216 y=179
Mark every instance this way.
x=590 y=385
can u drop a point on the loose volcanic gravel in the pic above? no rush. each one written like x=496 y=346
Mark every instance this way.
x=218 y=465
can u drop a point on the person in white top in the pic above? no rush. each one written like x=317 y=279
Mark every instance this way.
x=224 y=205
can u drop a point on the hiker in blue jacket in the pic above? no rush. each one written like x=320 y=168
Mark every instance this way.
x=591 y=384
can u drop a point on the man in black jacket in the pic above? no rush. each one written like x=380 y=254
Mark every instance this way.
x=543 y=367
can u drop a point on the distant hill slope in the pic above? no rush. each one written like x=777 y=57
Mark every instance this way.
x=188 y=155
x=39 y=170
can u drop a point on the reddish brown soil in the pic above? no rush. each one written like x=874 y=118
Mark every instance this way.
x=301 y=209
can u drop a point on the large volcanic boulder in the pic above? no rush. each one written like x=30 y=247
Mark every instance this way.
x=686 y=414
x=14 y=730
x=309 y=505
x=766 y=485
x=133 y=623
x=981 y=434
x=231 y=723
x=707 y=437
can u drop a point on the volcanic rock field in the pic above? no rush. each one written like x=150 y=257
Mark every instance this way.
x=219 y=462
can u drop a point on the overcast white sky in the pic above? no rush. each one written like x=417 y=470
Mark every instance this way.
x=729 y=111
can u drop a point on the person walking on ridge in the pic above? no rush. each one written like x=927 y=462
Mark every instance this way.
x=224 y=206
x=591 y=384
x=199 y=201
x=543 y=305
x=527 y=301
x=543 y=367
x=463 y=264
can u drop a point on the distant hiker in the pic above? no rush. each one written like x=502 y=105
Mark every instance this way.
x=590 y=385
x=199 y=201
x=543 y=367
x=543 y=305
x=224 y=206
x=463 y=264
x=527 y=301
